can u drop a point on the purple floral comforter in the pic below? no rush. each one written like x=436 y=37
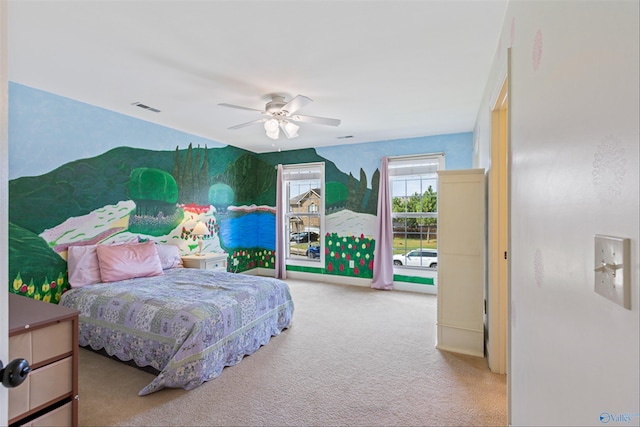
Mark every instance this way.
x=187 y=323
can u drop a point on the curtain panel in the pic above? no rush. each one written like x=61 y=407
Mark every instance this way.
x=383 y=253
x=281 y=263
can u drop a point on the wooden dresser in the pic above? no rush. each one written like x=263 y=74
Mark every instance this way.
x=46 y=335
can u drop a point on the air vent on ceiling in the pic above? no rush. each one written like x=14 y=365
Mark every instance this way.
x=146 y=107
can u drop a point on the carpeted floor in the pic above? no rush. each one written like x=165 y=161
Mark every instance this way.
x=352 y=357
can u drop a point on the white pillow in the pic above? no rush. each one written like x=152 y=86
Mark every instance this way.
x=169 y=256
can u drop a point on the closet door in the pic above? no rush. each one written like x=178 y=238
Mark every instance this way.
x=461 y=236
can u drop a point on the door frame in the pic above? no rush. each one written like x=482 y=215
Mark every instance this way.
x=498 y=262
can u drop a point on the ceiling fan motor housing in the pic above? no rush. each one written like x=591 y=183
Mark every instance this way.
x=276 y=105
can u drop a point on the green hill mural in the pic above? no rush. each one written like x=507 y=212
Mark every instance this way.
x=35 y=270
x=81 y=186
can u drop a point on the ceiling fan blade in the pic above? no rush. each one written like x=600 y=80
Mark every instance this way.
x=297 y=103
x=239 y=107
x=314 y=119
x=252 y=122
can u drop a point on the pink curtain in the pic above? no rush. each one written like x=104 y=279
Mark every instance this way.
x=281 y=265
x=383 y=253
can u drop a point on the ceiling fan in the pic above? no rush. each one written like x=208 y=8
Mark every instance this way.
x=279 y=114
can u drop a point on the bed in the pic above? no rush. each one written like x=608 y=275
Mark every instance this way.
x=187 y=324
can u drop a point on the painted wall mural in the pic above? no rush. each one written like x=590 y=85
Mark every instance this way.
x=128 y=194
x=131 y=197
x=341 y=250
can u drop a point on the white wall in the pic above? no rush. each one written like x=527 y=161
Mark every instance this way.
x=575 y=158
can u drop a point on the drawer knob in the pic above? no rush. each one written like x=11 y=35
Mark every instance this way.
x=14 y=373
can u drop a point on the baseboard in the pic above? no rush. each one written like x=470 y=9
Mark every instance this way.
x=415 y=287
x=328 y=278
x=259 y=272
x=343 y=280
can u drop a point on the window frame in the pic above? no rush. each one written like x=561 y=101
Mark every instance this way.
x=413 y=165
x=319 y=213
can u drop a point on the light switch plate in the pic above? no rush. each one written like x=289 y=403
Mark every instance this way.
x=611 y=268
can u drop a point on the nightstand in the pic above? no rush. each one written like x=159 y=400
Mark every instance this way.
x=207 y=261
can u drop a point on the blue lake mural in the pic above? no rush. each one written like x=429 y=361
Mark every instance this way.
x=248 y=230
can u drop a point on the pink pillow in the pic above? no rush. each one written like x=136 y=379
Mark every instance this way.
x=83 y=265
x=128 y=261
x=169 y=256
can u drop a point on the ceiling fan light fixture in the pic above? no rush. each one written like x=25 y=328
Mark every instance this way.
x=272 y=127
x=290 y=129
x=274 y=135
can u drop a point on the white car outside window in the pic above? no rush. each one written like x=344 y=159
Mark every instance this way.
x=417 y=258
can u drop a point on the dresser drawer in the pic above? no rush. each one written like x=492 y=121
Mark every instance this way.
x=20 y=347
x=216 y=265
x=50 y=382
x=42 y=386
x=19 y=399
x=42 y=344
x=52 y=341
x=61 y=416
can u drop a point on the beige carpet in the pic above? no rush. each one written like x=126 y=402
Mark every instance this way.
x=353 y=356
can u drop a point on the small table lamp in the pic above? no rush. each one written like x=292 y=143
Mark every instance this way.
x=200 y=230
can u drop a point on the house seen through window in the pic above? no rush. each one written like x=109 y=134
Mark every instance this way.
x=413 y=183
x=304 y=218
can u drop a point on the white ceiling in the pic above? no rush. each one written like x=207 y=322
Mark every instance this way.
x=388 y=70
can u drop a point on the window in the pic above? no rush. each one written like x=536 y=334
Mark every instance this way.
x=304 y=216
x=413 y=186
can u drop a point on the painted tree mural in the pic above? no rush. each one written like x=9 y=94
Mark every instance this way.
x=155 y=194
x=192 y=175
x=361 y=191
x=357 y=192
x=154 y=191
x=372 y=204
x=336 y=196
x=221 y=196
x=249 y=177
